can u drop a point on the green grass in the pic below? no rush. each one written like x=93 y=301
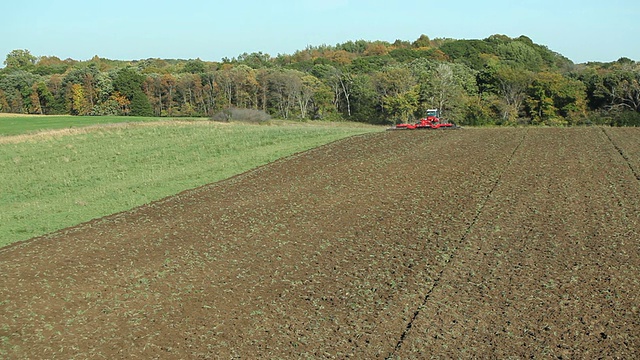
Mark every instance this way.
x=53 y=182
x=16 y=125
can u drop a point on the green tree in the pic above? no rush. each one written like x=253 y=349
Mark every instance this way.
x=510 y=85
x=140 y=105
x=128 y=82
x=255 y=60
x=49 y=65
x=103 y=86
x=341 y=81
x=370 y=64
x=403 y=106
x=392 y=86
x=468 y=52
x=554 y=99
x=17 y=86
x=445 y=86
x=196 y=66
x=619 y=87
x=20 y=59
x=58 y=90
x=520 y=55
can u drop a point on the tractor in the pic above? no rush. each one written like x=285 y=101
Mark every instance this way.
x=431 y=121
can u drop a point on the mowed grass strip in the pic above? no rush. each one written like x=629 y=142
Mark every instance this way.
x=54 y=182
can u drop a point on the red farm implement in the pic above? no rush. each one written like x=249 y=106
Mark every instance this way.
x=431 y=121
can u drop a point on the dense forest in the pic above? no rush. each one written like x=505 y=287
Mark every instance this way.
x=495 y=81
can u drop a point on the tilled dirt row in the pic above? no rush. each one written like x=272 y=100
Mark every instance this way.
x=625 y=140
x=552 y=267
x=395 y=245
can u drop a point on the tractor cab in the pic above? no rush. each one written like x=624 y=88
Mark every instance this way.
x=433 y=116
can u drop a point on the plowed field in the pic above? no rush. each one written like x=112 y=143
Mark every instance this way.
x=411 y=244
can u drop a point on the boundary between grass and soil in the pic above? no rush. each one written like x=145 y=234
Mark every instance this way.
x=163 y=200
x=466 y=233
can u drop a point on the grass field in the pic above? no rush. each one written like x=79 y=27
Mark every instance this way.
x=13 y=124
x=55 y=179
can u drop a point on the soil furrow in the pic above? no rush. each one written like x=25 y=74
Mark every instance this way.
x=437 y=280
x=634 y=171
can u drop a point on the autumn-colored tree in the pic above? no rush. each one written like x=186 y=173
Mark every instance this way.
x=4 y=105
x=284 y=89
x=41 y=99
x=423 y=42
x=78 y=104
x=209 y=93
x=226 y=87
x=90 y=89
x=35 y=107
x=167 y=85
x=189 y=91
x=244 y=87
x=262 y=77
x=49 y=65
x=57 y=90
x=376 y=49
x=16 y=104
x=309 y=85
x=122 y=102
x=340 y=57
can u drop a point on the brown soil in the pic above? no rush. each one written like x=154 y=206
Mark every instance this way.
x=410 y=244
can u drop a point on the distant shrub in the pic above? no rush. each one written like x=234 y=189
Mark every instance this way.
x=626 y=118
x=599 y=117
x=240 y=114
x=614 y=117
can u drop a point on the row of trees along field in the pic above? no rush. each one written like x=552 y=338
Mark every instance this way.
x=497 y=80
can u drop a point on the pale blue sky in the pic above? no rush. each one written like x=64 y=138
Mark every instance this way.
x=582 y=30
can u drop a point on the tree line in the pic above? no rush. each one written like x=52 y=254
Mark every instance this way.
x=494 y=81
